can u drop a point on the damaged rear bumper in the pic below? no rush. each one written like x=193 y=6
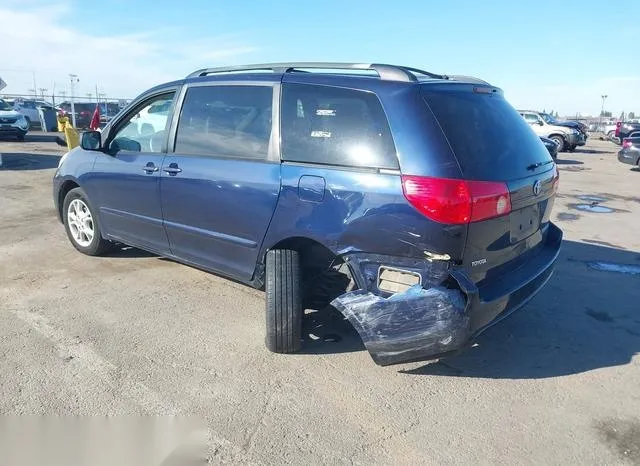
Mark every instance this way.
x=442 y=314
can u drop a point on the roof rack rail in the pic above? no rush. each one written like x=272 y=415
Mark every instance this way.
x=386 y=72
x=468 y=79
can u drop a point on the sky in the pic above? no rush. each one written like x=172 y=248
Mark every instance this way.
x=560 y=55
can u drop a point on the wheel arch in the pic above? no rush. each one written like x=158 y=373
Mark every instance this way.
x=312 y=252
x=66 y=186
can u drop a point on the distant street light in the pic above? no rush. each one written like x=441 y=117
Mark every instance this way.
x=73 y=79
x=604 y=97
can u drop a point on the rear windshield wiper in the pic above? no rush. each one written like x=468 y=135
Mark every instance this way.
x=533 y=166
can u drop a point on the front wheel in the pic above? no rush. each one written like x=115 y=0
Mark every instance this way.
x=284 y=301
x=81 y=224
x=559 y=140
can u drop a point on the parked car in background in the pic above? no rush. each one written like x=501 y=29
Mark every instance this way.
x=84 y=112
x=566 y=137
x=12 y=123
x=630 y=152
x=29 y=108
x=283 y=179
x=627 y=129
x=584 y=129
x=552 y=147
x=609 y=130
x=107 y=111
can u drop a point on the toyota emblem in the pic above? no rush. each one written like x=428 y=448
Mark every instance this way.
x=536 y=187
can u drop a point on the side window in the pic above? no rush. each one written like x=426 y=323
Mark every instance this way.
x=531 y=118
x=335 y=126
x=225 y=121
x=144 y=130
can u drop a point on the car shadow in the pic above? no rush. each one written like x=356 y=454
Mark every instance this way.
x=29 y=161
x=42 y=137
x=635 y=169
x=568 y=162
x=327 y=331
x=591 y=151
x=584 y=319
x=129 y=252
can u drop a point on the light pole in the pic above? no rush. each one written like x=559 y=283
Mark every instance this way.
x=73 y=79
x=42 y=91
x=604 y=97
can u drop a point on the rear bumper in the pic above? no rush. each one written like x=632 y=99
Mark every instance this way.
x=426 y=324
x=629 y=157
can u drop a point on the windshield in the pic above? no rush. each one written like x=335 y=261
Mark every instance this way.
x=4 y=105
x=547 y=118
x=491 y=141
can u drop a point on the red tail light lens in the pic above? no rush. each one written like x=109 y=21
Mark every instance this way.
x=627 y=143
x=457 y=201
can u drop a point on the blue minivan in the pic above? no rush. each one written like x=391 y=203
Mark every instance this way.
x=416 y=204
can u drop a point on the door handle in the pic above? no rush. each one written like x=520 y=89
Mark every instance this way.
x=150 y=168
x=172 y=169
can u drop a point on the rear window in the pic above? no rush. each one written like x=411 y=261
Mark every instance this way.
x=489 y=138
x=335 y=126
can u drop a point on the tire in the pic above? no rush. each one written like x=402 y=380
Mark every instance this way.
x=78 y=230
x=284 y=301
x=611 y=134
x=559 y=141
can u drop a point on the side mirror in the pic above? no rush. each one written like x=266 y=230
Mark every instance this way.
x=91 y=140
x=540 y=122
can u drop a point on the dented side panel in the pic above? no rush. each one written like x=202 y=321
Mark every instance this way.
x=359 y=211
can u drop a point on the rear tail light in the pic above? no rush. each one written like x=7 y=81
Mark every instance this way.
x=627 y=143
x=618 y=125
x=457 y=201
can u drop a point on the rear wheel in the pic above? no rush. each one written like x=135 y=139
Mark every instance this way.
x=284 y=301
x=559 y=140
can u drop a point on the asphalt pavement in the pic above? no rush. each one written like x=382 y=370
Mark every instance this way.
x=134 y=334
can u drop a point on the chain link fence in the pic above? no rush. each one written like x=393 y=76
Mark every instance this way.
x=84 y=107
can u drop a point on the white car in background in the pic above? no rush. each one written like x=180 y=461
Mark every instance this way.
x=29 y=108
x=12 y=123
x=565 y=137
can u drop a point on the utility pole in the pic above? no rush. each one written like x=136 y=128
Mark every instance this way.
x=103 y=96
x=42 y=91
x=73 y=79
x=604 y=97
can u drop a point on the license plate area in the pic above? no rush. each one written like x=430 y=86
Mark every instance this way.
x=524 y=223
